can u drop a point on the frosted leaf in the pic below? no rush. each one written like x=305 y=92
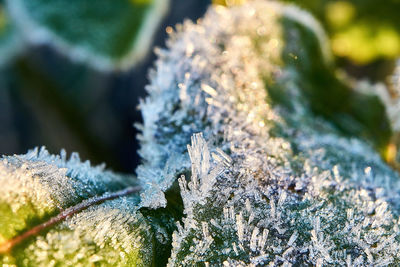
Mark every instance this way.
x=38 y=186
x=268 y=182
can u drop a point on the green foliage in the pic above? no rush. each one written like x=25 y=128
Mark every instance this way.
x=106 y=34
x=362 y=30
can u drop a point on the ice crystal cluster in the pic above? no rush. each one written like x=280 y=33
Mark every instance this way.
x=264 y=182
x=38 y=185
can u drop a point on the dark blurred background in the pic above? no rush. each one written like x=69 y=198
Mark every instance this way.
x=45 y=99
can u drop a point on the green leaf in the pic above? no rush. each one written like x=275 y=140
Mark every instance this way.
x=55 y=211
x=106 y=34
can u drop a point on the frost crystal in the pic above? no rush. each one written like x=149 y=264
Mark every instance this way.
x=272 y=185
x=37 y=185
x=50 y=182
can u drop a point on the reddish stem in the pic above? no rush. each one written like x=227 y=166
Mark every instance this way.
x=7 y=246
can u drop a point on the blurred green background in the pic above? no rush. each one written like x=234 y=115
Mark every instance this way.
x=364 y=34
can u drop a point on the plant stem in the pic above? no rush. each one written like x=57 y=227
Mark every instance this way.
x=7 y=246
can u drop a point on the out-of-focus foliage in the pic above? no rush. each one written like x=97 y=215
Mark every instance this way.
x=362 y=30
x=391 y=99
x=106 y=34
x=229 y=2
x=10 y=41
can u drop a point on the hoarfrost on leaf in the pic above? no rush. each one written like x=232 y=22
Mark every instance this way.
x=59 y=211
x=234 y=118
x=269 y=181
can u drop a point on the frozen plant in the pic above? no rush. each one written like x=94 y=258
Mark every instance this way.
x=89 y=216
x=275 y=183
x=283 y=165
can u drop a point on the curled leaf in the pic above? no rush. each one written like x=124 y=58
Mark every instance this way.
x=106 y=34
